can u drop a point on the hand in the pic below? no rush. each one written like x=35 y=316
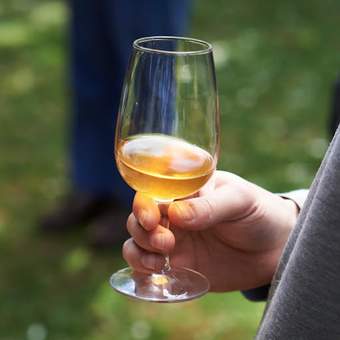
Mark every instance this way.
x=233 y=232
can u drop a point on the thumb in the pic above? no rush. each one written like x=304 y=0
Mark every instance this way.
x=227 y=203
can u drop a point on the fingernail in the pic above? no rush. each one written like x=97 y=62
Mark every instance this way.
x=158 y=241
x=148 y=261
x=184 y=211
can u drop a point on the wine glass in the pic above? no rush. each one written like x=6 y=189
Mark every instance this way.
x=167 y=142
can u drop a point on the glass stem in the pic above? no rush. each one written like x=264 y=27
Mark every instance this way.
x=166 y=267
x=166 y=224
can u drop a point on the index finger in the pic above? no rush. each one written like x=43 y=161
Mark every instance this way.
x=146 y=211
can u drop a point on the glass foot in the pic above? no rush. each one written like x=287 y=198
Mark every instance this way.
x=174 y=285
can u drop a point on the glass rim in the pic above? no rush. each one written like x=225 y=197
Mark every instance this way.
x=206 y=47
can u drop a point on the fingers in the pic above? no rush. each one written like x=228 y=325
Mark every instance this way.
x=141 y=260
x=226 y=203
x=146 y=211
x=159 y=240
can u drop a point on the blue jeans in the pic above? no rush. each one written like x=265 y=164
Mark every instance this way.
x=102 y=32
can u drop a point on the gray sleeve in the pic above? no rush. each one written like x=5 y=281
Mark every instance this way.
x=304 y=298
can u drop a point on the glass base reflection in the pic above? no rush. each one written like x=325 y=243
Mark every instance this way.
x=175 y=285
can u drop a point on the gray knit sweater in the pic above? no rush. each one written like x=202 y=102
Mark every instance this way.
x=304 y=298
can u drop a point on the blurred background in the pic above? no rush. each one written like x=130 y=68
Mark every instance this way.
x=276 y=64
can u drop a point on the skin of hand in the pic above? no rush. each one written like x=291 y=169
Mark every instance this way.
x=232 y=231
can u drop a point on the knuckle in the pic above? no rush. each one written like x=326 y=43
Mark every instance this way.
x=208 y=207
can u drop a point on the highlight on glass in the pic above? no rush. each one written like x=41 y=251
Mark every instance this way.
x=166 y=144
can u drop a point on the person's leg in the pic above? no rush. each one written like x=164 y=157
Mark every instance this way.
x=102 y=33
x=102 y=36
x=96 y=83
x=127 y=21
x=95 y=95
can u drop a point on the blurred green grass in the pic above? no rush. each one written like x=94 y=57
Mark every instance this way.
x=276 y=62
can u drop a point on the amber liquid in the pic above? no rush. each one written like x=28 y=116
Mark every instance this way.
x=163 y=167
